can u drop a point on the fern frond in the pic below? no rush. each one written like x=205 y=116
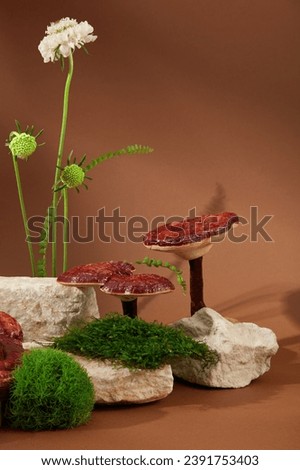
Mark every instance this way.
x=129 y=150
x=158 y=263
x=43 y=245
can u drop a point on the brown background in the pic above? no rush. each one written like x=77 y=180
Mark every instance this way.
x=213 y=86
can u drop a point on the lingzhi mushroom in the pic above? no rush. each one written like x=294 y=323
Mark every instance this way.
x=94 y=274
x=129 y=288
x=11 y=351
x=191 y=239
x=117 y=278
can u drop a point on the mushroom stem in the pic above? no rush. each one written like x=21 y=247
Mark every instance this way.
x=130 y=307
x=196 y=285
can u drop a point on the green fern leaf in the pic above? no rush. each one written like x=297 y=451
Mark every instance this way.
x=43 y=245
x=129 y=150
x=158 y=263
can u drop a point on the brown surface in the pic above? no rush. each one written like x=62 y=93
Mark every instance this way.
x=214 y=88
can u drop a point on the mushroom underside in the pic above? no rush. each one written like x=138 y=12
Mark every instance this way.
x=191 y=239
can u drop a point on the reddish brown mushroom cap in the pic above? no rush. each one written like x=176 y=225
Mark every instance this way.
x=11 y=350
x=10 y=327
x=94 y=273
x=137 y=285
x=189 y=231
x=10 y=356
x=190 y=238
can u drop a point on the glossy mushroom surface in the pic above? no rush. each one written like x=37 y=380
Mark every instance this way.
x=94 y=273
x=11 y=350
x=137 y=285
x=190 y=239
x=10 y=327
x=129 y=288
x=117 y=278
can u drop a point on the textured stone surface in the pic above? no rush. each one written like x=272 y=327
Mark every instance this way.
x=43 y=307
x=245 y=350
x=114 y=384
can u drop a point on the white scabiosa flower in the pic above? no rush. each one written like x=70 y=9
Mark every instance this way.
x=63 y=37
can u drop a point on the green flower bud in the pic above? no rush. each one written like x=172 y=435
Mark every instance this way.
x=72 y=176
x=22 y=145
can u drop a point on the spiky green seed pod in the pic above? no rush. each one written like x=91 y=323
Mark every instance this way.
x=73 y=176
x=22 y=145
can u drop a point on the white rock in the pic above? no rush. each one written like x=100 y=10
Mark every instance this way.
x=43 y=307
x=114 y=384
x=245 y=350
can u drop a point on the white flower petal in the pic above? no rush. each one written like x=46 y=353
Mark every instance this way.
x=60 y=25
x=65 y=50
x=63 y=37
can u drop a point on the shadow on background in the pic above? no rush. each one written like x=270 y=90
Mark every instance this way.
x=292 y=305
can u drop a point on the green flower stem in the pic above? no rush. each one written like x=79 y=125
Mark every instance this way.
x=65 y=229
x=24 y=216
x=59 y=159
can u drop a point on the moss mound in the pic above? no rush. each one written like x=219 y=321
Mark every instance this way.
x=133 y=342
x=49 y=391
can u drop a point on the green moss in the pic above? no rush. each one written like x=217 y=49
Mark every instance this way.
x=49 y=391
x=133 y=342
